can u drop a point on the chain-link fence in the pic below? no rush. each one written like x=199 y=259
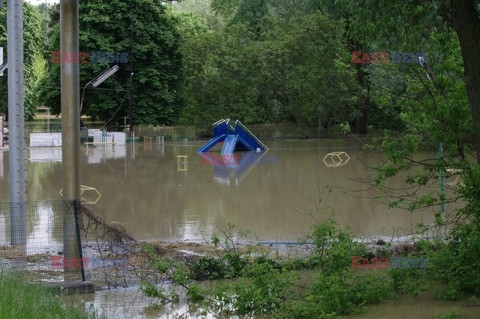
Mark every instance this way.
x=65 y=240
x=33 y=234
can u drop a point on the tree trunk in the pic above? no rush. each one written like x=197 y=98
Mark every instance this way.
x=359 y=124
x=361 y=121
x=466 y=23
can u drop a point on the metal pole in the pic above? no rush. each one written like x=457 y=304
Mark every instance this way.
x=70 y=99
x=16 y=121
x=1 y=130
x=48 y=120
x=130 y=93
x=442 y=188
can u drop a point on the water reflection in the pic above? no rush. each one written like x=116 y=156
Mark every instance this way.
x=132 y=304
x=45 y=230
x=43 y=227
x=143 y=191
x=99 y=154
x=1 y=164
x=225 y=166
x=45 y=154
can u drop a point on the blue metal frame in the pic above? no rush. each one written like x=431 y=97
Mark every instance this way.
x=223 y=132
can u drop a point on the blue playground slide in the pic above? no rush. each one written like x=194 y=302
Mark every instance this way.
x=229 y=144
x=236 y=139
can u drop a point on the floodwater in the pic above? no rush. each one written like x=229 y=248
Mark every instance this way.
x=132 y=304
x=168 y=192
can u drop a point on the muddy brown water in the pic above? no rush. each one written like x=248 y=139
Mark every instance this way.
x=156 y=195
x=132 y=304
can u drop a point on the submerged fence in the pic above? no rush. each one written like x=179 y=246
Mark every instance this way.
x=32 y=233
x=64 y=240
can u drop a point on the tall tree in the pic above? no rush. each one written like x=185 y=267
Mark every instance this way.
x=406 y=25
x=465 y=19
x=274 y=70
x=143 y=30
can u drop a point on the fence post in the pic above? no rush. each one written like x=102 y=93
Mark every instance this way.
x=76 y=208
x=16 y=121
x=70 y=100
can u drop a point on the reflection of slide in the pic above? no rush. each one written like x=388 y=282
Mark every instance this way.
x=229 y=144
x=222 y=174
x=224 y=166
x=247 y=160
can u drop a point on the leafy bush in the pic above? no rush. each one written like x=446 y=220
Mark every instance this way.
x=263 y=290
x=208 y=267
x=340 y=293
x=267 y=286
x=334 y=246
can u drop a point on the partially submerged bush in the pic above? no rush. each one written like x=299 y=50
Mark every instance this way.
x=264 y=285
x=340 y=293
x=268 y=286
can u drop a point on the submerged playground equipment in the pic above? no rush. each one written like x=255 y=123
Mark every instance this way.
x=235 y=139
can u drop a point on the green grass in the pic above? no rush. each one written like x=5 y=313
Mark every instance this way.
x=21 y=299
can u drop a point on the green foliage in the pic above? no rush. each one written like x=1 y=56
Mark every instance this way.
x=407 y=280
x=148 y=34
x=334 y=246
x=22 y=299
x=279 y=70
x=455 y=263
x=339 y=293
x=450 y=314
x=199 y=9
x=434 y=111
x=262 y=290
x=267 y=286
x=208 y=267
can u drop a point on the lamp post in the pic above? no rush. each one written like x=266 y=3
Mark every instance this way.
x=99 y=79
x=130 y=94
x=3 y=67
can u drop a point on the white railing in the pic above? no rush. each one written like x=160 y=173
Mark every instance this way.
x=253 y=135
x=221 y=121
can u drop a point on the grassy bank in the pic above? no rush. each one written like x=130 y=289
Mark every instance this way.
x=21 y=299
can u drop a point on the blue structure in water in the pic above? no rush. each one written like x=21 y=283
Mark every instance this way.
x=235 y=139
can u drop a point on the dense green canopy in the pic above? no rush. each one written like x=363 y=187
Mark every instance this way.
x=148 y=35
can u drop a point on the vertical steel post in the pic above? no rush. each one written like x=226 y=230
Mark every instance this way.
x=70 y=100
x=130 y=93
x=48 y=120
x=16 y=121
x=442 y=188
x=1 y=130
